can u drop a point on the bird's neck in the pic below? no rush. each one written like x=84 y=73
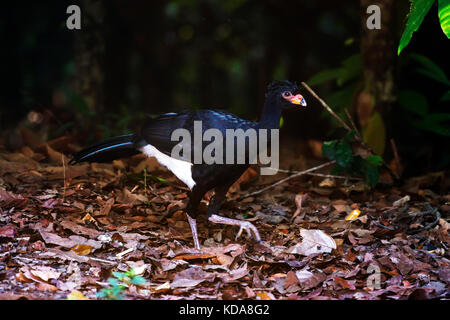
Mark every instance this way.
x=270 y=118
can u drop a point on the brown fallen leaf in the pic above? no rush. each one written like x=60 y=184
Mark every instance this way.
x=249 y=175
x=45 y=287
x=9 y=200
x=308 y=280
x=68 y=242
x=327 y=183
x=8 y=231
x=194 y=256
x=250 y=293
x=162 y=288
x=12 y=296
x=82 y=249
x=265 y=296
x=344 y=283
x=106 y=208
x=128 y=197
x=314 y=241
x=45 y=273
x=89 y=219
x=291 y=279
x=20 y=276
x=224 y=259
x=56 y=157
x=76 y=295
x=191 y=277
x=79 y=229
x=298 y=202
x=50 y=203
x=234 y=274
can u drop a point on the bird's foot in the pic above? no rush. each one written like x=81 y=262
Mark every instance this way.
x=243 y=225
x=249 y=228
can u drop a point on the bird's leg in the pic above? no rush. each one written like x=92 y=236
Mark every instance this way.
x=213 y=209
x=193 y=224
x=243 y=225
x=195 y=197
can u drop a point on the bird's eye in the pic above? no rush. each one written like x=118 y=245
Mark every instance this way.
x=286 y=94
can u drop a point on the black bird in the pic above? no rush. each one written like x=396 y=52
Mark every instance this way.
x=156 y=140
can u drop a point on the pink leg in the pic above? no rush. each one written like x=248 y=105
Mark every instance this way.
x=193 y=224
x=244 y=225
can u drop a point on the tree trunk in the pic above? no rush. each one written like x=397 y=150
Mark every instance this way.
x=90 y=54
x=378 y=55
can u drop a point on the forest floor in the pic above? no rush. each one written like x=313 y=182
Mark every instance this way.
x=65 y=229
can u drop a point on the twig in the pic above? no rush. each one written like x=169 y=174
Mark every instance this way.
x=323 y=175
x=351 y=120
x=357 y=136
x=333 y=176
x=429 y=211
x=145 y=180
x=64 y=172
x=396 y=157
x=103 y=260
x=288 y=178
x=327 y=107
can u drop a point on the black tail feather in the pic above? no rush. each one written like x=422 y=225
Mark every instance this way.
x=108 y=150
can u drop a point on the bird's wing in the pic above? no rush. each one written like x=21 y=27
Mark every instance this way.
x=158 y=132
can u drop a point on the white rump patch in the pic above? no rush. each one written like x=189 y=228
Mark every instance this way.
x=182 y=169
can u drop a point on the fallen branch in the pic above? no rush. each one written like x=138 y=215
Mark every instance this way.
x=323 y=175
x=289 y=178
x=347 y=127
x=64 y=171
x=429 y=211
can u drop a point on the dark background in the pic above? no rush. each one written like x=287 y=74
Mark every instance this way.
x=133 y=58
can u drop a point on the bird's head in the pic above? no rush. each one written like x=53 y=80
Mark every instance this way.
x=286 y=93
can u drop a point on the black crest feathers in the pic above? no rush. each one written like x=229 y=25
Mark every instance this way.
x=277 y=84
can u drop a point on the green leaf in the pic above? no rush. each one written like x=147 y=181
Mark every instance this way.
x=433 y=76
x=444 y=16
x=138 y=280
x=342 y=98
x=419 y=9
x=350 y=135
x=372 y=175
x=374 y=134
x=432 y=70
x=374 y=160
x=119 y=275
x=113 y=281
x=130 y=273
x=435 y=122
x=413 y=102
x=352 y=68
x=80 y=105
x=446 y=96
x=324 y=76
x=338 y=150
x=343 y=154
x=358 y=165
x=104 y=293
x=328 y=149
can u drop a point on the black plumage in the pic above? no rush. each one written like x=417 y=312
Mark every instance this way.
x=155 y=139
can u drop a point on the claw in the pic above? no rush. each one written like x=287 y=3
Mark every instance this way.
x=249 y=228
x=243 y=225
